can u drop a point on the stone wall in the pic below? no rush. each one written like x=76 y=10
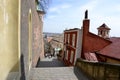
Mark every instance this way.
x=31 y=35
x=99 y=70
x=9 y=52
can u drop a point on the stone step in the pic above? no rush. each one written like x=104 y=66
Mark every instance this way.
x=13 y=76
x=56 y=73
x=50 y=62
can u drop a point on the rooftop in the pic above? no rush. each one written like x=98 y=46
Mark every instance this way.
x=112 y=50
x=103 y=26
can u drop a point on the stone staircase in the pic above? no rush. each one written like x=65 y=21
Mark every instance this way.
x=57 y=73
x=13 y=76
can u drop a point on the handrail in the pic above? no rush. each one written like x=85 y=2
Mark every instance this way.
x=99 y=70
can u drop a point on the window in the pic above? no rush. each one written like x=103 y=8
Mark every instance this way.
x=101 y=32
x=30 y=38
x=73 y=40
x=68 y=38
x=66 y=56
x=71 y=56
x=65 y=37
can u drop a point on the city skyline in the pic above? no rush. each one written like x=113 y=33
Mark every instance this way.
x=69 y=14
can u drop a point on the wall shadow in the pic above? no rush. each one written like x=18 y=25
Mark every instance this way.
x=52 y=63
x=80 y=74
x=14 y=72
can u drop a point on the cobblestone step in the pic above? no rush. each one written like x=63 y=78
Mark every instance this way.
x=56 y=73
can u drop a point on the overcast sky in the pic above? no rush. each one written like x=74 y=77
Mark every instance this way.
x=68 y=14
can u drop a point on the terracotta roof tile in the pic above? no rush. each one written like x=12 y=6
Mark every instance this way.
x=112 y=50
x=49 y=39
x=91 y=57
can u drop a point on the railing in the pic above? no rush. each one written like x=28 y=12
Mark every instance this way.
x=99 y=70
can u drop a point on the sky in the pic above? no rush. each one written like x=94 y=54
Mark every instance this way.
x=68 y=14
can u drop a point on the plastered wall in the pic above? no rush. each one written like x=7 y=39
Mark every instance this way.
x=8 y=37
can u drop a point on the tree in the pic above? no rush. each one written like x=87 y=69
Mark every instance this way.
x=43 y=5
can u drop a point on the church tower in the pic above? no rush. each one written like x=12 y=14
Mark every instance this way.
x=103 y=31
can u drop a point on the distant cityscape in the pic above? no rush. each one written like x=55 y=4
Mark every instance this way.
x=49 y=34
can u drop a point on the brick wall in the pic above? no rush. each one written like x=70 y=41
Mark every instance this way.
x=36 y=39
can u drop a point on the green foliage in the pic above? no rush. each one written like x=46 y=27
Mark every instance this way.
x=43 y=5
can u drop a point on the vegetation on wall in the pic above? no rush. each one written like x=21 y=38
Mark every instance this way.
x=43 y=5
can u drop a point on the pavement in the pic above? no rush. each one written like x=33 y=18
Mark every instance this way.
x=53 y=69
x=57 y=73
x=13 y=76
x=50 y=62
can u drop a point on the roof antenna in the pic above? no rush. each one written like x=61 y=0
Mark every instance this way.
x=86 y=14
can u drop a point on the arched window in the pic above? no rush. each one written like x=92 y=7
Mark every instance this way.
x=101 y=32
x=30 y=38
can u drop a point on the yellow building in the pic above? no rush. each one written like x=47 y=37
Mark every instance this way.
x=9 y=37
x=20 y=24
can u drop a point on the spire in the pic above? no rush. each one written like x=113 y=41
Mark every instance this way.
x=86 y=14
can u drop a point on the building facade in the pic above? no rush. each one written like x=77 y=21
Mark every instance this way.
x=72 y=46
x=21 y=38
x=100 y=47
x=9 y=31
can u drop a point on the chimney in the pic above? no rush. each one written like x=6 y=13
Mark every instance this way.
x=86 y=23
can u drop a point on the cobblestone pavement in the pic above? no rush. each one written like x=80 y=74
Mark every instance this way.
x=57 y=73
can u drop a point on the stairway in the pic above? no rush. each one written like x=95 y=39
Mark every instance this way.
x=13 y=76
x=57 y=73
x=50 y=62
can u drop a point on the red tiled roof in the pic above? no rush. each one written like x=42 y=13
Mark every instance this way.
x=112 y=50
x=49 y=39
x=90 y=57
